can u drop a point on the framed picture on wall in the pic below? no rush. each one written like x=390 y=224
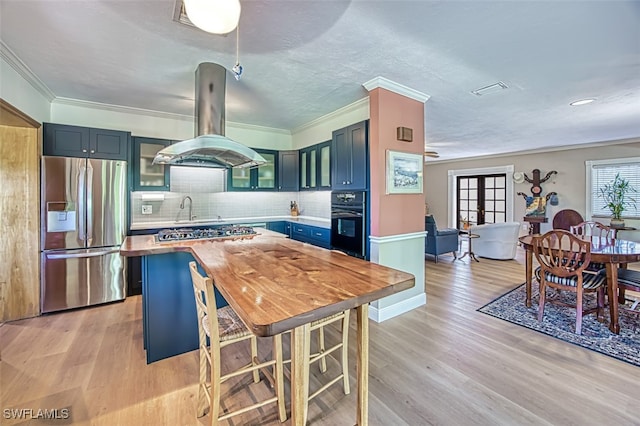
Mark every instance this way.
x=404 y=173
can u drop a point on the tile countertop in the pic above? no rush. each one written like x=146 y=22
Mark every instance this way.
x=305 y=220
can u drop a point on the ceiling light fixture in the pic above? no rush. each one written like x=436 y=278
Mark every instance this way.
x=582 y=102
x=213 y=16
x=237 y=68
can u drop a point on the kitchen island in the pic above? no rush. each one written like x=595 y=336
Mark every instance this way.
x=277 y=284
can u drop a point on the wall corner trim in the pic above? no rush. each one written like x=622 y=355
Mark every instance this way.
x=399 y=237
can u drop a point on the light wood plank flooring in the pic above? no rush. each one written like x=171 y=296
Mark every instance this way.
x=440 y=364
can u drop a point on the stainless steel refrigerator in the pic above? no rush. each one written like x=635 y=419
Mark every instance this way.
x=83 y=224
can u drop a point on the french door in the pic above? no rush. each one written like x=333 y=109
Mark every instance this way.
x=481 y=199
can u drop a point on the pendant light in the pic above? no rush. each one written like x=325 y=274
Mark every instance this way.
x=213 y=16
x=237 y=68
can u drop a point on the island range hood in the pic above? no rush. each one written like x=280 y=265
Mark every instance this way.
x=210 y=147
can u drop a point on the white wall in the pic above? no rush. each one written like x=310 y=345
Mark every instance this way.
x=569 y=183
x=321 y=130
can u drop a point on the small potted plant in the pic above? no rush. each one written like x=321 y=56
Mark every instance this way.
x=616 y=197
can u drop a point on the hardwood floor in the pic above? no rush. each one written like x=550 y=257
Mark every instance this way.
x=441 y=364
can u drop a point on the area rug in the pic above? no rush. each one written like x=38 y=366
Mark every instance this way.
x=559 y=322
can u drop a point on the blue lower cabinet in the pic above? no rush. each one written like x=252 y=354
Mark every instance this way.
x=168 y=307
x=280 y=226
x=320 y=237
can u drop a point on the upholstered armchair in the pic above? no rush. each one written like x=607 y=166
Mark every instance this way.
x=497 y=240
x=439 y=241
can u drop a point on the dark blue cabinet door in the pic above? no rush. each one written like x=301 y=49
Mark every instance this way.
x=349 y=157
x=109 y=144
x=75 y=141
x=279 y=226
x=169 y=309
x=65 y=141
x=288 y=171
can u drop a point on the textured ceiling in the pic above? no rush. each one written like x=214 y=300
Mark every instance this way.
x=304 y=59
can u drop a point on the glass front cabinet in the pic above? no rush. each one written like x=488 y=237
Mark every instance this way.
x=261 y=178
x=315 y=167
x=146 y=175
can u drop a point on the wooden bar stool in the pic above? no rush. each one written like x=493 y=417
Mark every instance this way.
x=224 y=327
x=323 y=351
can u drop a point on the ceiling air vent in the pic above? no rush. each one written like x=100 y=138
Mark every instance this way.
x=180 y=15
x=492 y=88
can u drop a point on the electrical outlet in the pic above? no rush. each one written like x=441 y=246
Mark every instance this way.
x=147 y=209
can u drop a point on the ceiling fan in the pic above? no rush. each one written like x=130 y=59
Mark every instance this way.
x=432 y=154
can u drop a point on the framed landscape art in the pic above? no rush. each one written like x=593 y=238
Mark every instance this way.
x=404 y=173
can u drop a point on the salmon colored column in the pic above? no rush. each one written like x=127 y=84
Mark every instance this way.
x=393 y=214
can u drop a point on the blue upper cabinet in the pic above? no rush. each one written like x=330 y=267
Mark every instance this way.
x=349 y=165
x=84 y=142
x=315 y=167
x=288 y=167
x=148 y=176
x=261 y=178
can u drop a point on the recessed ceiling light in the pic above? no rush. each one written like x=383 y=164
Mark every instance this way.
x=582 y=102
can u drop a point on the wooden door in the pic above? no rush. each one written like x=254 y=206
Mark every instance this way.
x=481 y=199
x=20 y=212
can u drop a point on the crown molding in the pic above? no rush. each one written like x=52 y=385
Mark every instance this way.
x=540 y=150
x=119 y=108
x=152 y=113
x=360 y=103
x=24 y=71
x=384 y=83
x=255 y=127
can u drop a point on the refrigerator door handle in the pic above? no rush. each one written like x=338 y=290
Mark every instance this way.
x=89 y=217
x=81 y=255
x=80 y=196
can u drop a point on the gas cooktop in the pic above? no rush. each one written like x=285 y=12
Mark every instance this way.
x=180 y=234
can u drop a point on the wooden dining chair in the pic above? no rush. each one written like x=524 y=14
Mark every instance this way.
x=628 y=279
x=592 y=229
x=563 y=258
x=565 y=218
x=223 y=327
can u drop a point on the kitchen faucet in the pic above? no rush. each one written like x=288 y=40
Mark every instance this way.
x=186 y=197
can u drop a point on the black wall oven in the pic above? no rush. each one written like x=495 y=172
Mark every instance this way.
x=348 y=222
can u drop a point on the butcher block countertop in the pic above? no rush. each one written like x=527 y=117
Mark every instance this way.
x=276 y=284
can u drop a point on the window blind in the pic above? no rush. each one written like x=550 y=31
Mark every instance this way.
x=602 y=174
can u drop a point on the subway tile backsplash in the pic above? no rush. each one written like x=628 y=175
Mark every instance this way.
x=227 y=205
x=197 y=180
x=206 y=188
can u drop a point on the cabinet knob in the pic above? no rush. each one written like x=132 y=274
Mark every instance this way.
x=93 y=151
x=348 y=182
x=344 y=182
x=84 y=150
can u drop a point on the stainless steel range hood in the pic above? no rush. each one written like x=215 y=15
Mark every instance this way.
x=210 y=148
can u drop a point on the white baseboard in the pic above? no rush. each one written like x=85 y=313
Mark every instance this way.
x=379 y=315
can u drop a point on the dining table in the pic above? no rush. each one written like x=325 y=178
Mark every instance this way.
x=276 y=284
x=613 y=253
